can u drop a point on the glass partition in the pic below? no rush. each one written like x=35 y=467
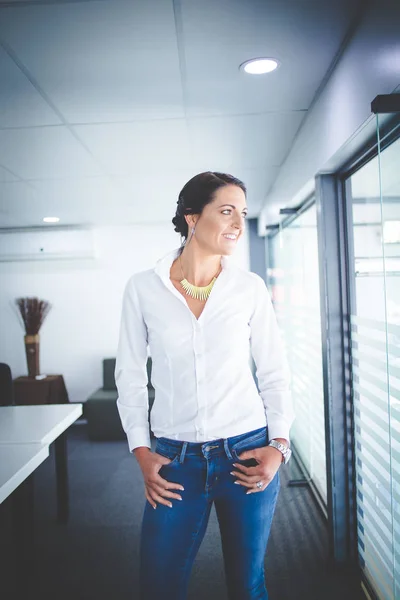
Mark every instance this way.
x=374 y=193
x=389 y=161
x=293 y=278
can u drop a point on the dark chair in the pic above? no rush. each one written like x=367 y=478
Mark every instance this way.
x=100 y=409
x=6 y=386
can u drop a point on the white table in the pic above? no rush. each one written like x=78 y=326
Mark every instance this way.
x=26 y=433
x=43 y=424
x=39 y=424
x=17 y=462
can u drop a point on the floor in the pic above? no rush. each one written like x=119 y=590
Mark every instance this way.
x=95 y=556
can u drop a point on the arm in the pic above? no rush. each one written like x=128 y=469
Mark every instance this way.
x=271 y=366
x=131 y=371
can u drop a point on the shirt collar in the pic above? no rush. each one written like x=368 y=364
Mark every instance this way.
x=163 y=265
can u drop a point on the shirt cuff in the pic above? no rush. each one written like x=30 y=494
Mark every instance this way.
x=138 y=436
x=278 y=428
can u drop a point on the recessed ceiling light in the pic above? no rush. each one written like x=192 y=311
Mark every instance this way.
x=51 y=219
x=259 y=66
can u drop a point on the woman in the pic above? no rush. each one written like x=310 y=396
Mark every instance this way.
x=203 y=318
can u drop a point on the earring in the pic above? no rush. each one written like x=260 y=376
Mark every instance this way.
x=192 y=230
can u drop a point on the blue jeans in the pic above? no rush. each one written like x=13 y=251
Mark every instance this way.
x=171 y=537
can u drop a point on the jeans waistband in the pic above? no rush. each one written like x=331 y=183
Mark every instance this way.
x=198 y=448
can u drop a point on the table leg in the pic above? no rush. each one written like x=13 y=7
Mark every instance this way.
x=23 y=526
x=62 y=478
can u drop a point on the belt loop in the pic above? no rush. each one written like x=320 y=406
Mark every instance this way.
x=227 y=450
x=183 y=452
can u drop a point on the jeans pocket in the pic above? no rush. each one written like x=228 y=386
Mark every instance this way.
x=247 y=462
x=173 y=461
x=174 y=458
x=259 y=441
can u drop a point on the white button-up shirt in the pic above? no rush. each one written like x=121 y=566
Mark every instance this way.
x=201 y=368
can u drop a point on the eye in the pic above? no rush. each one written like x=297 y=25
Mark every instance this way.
x=244 y=215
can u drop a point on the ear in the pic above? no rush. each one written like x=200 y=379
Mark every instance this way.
x=190 y=220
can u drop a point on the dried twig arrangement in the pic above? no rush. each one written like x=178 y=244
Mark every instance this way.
x=33 y=312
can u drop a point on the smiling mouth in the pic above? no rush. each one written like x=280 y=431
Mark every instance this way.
x=233 y=238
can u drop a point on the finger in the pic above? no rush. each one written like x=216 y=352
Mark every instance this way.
x=149 y=498
x=248 y=470
x=254 y=491
x=153 y=494
x=253 y=456
x=163 y=491
x=250 y=481
x=244 y=483
x=169 y=485
x=249 y=478
x=256 y=476
x=252 y=487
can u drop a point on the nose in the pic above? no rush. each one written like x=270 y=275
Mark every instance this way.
x=237 y=225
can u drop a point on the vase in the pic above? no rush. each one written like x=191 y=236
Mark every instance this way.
x=32 y=354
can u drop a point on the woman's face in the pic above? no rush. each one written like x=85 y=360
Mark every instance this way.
x=223 y=216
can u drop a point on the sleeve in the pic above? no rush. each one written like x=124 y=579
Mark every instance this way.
x=131 y=371
x=272 y=369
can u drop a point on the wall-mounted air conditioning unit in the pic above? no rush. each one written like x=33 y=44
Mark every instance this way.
x=57 y=243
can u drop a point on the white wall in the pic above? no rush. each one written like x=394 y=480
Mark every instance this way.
x=369 y=65
x=82 y=327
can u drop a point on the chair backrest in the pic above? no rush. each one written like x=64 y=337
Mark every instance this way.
x=109 y=373
x=6 y=386
x=149 y=366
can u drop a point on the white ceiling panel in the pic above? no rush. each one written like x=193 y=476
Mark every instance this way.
x=16 y=198
x=72 y=192
x=126 y=148
x=100 y=61
x=30 y=2
x=45 y=152
x=12 y=192
x=6 y=175
x=108 y=107
x=9 y=220
x=74 y=201
x=156 y=195
x=304 y=35
x=20 y=103
x=95 y=201
x=246 y=141
x=258 y=182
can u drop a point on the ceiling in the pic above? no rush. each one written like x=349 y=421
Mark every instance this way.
x=107 y=107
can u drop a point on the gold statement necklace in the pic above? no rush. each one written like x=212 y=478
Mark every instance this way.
x=195 y=291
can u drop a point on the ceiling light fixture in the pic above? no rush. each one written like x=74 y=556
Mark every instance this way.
x=51 y=219
x=259 y=66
